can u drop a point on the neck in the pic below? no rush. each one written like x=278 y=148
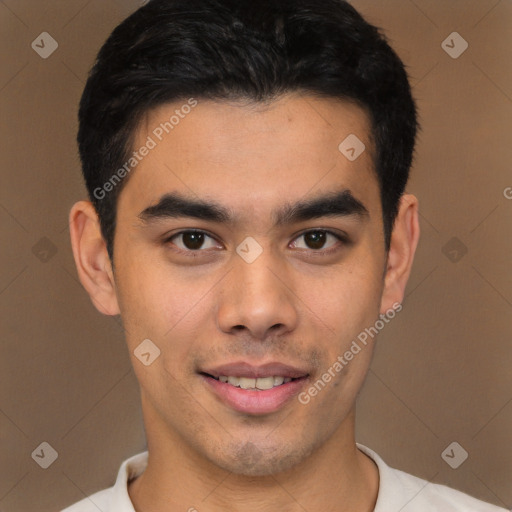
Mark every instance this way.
x=336 y=477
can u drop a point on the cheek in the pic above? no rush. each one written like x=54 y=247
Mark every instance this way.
x=172 y=309
x=346 y=299
x=142 y=297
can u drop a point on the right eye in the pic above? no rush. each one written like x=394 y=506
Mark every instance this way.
x=191 y=241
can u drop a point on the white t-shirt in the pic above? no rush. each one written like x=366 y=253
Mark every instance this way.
x=398 y=492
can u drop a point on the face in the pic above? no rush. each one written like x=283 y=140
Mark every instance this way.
x=274 y=275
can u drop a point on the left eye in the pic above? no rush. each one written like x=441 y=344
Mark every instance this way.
x=317 y=239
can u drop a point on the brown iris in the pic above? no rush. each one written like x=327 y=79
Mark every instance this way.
x=315 y=239
x=193 y=240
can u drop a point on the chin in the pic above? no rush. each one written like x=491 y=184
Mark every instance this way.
x=250 y=459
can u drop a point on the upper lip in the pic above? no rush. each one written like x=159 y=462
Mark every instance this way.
x=243 y=369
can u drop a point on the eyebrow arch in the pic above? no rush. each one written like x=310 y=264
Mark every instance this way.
x=335 y=204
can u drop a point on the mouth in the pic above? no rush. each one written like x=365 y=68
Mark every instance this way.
x=254 y=384
x=255 y=390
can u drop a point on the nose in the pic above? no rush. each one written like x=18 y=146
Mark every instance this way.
x=257 y=297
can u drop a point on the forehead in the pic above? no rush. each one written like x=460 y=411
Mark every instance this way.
x=251 y=156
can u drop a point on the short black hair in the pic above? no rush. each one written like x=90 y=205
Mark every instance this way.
x=170 y=50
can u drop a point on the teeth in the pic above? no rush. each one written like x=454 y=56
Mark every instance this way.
x=246 y=383
x=261 y=383
x=234 y=381
x=265 y=383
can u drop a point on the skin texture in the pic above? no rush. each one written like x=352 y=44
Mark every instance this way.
x=290 y=305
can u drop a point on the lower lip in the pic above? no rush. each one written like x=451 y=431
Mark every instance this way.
x=255 y=402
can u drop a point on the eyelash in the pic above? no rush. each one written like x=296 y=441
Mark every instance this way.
x=326 y=252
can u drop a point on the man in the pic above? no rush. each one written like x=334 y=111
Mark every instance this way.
x=246 y=165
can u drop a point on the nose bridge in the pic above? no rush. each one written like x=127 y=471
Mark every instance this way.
x=255 y=295
x=257 y=281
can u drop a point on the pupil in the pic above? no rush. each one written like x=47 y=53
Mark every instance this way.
x=193 y=240
x=315 y=239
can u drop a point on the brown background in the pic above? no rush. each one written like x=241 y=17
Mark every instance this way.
x=441 y=372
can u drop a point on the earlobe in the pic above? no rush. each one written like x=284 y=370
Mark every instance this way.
x=404 y=240
x=91 y=257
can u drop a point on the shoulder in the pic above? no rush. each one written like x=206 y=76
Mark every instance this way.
x=401 y=491
x=432 y=497
x=93 y=503
x=116 y=498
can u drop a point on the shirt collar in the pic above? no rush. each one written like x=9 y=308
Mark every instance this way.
x=387 y=499
x=395 y=491
x=129 y=470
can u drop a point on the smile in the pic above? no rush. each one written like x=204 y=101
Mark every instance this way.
x=261 y=383
x=254 y=396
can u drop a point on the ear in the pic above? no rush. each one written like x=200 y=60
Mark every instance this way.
x=91 y=258
x=404 y=240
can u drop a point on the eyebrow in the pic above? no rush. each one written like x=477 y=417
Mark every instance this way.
x=340 y=203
